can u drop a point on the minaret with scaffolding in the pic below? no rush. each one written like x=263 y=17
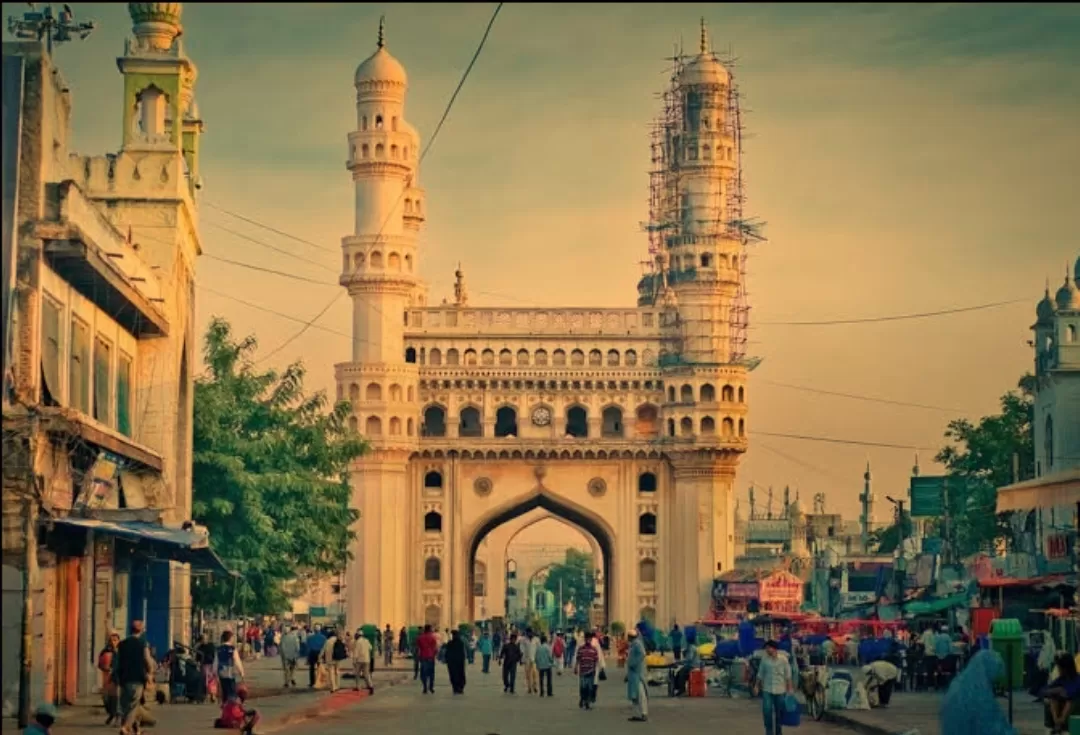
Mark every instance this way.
x=695 y=275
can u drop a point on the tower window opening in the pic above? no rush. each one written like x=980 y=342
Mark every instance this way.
x=470 y=423
x=365 y=151
x=646 y=482
x=433 y=480
x=671 y=427
x=577 y=358
x=708 y=393
x=647 y=524
x=708 y=426
x=686 y=426
x=742 y=427
x=378 y=122
x=452 y=356
x=363 y=123
x=487 y=357
x=558 y=358
x=523 y=357
x=506 y=422
x=728 y=428
x=435 y=356
x=393 y=124
x=506 y=357
x=596 y=358
x=647 y=424
x=671 y=394
x=647 y=571
x=433 y=522
x=686 y=394
x=380 y=151
x=541 y=357
x=393 y=152
x=373 y=426
x=470 y=357
x=577 y=422
x=613 y=358
x=432 y=570
x=612 y=427
x=410 y=354
x=631 y=358
x=742 y=395
x=706 y=260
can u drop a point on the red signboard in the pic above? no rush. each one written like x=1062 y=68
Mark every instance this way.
x=782 y=587
x=1057 y=546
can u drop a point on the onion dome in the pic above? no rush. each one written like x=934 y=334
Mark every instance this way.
x=1046 y=309
x=705 y=68
x=156 y=25
x=380 y=67
x=1068 y=296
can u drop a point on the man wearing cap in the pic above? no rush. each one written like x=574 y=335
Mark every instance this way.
x=133 y=671
x=635 y=678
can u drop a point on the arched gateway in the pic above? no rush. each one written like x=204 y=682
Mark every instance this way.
x=598 y=531
x=625 y=422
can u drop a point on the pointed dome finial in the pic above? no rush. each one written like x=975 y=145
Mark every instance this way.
x=704 y=37
x=382 y=31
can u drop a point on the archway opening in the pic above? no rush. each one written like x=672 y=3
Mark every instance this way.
x=588 y=539
x=577 y=422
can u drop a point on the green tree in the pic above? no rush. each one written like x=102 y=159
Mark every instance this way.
x=270 y=476
x=578 y=579
x=980 y=460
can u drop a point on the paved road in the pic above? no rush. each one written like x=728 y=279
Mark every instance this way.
x=485 y=710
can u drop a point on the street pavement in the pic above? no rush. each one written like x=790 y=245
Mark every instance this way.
x=919 y=711
x=485 y=710
x=278 y=707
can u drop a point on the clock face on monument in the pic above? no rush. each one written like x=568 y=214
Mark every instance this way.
x=541 y=416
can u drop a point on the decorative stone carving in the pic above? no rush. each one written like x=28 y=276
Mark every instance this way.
x=482 y=486
x=597 y=487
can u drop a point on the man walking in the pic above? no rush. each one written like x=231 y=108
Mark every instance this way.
x=133 y=671
x=774 y=680
x=290 y=653
x=585 y=666
x=571 y=648
x=545 y=660
x=427 y=647
x=361 y=659
x=635 y=678
x=334 y=651
x=484 y=646
x=510 y=655
x=528 y=657
x=315 y=643
x=558 y=651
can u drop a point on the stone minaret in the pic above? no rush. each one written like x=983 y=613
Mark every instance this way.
x=379 y=269
x=706 y=392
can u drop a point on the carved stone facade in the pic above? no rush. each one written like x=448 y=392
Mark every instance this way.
x=497 y=417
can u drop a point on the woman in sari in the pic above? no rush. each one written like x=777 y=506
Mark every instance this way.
x=970 y=707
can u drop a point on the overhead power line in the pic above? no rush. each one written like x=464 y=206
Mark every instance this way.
x=895 y=317
x=275 y=248
x=264 y=226
x=423 y=155
x=259 y=268
x=853 y=442
x=857 y=397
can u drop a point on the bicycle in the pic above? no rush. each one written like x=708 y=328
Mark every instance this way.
x=812 y=685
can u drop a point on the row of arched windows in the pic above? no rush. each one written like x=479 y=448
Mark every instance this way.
x=374 y=392
x=373 y=426
x=380 y=152
x=378 y=122
x=707 y=393
x=393 y=262
x=723 y=153
x=728 y=428
x=540 y=358
x=470 y=423
x=705 y=260
x=576 y=385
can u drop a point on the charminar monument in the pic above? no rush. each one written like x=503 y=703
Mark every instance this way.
x=627 y=424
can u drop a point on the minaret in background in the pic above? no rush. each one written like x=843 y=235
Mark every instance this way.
x=866 y=520
x=379 y=269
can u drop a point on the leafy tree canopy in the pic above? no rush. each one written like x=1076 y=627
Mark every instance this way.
x=578 y=580
x=270 y=476
x=980 y=460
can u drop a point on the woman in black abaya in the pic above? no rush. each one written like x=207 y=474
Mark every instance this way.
x=455 y=662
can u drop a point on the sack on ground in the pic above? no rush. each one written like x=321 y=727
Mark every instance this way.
x=859 y=700
x=838 y=692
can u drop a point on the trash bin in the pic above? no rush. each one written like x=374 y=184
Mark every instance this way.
x=1007 y=639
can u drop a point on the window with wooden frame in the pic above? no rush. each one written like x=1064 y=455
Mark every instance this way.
x=79 y=369
x=51 y=351
x=123 y=394
x=102 y=384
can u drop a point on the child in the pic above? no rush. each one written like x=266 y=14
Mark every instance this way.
x=234 y=716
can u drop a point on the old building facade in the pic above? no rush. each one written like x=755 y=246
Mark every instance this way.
x=625 y=423
x=98 y=397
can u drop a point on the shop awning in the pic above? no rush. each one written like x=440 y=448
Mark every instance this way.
x=175 y=544
x=930 y=607
x=1050 y=581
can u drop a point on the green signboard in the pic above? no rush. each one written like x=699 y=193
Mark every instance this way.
x=318 y=612
x=926 y=496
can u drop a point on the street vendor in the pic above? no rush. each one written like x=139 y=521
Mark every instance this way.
x=691 y=662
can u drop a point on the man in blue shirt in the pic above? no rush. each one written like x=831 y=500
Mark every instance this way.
x=315 y=643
